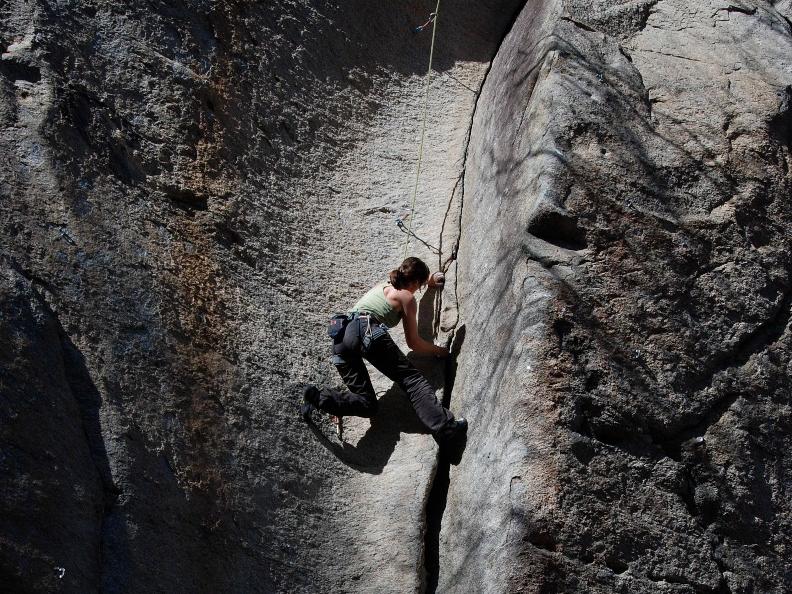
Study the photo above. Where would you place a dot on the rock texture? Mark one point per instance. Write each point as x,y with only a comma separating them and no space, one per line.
53,472
625,287
188,188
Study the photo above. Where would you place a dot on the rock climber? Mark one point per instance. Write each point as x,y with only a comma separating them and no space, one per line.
363,334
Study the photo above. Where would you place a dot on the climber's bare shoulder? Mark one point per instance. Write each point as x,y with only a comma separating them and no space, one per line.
399,299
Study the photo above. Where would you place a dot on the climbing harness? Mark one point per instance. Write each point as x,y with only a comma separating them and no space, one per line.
433,21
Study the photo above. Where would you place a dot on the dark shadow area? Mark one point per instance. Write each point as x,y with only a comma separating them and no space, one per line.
16,69
89,400
435,507
438,495
51,433
386,38
781,125
558,228
187,199
115,555
451,364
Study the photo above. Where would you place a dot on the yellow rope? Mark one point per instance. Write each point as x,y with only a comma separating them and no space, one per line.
423,128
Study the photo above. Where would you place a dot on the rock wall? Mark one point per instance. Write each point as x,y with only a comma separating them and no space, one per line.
188,188
625,289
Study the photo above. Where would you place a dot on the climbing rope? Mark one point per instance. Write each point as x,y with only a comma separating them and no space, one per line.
433,21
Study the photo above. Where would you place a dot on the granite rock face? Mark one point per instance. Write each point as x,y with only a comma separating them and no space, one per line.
188,188
187,191
53,495
625,287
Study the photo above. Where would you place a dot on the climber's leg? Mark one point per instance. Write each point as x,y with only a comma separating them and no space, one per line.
388,358
358,400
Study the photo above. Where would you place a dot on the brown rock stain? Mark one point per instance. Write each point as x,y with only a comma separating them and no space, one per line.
204,315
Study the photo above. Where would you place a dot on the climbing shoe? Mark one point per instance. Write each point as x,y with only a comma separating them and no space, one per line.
452,432
452,440
310,402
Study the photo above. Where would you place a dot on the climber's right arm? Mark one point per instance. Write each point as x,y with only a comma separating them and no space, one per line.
414,341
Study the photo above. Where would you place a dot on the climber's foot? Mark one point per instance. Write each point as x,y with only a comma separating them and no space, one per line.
453,430
310,402
453,440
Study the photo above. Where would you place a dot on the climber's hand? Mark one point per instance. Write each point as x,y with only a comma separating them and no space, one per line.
436,280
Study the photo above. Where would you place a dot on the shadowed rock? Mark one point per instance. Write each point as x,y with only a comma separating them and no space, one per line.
189,189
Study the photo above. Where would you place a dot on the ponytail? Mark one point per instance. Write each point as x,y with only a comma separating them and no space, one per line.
396,278
411,270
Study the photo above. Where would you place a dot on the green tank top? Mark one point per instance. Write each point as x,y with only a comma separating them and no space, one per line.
374,302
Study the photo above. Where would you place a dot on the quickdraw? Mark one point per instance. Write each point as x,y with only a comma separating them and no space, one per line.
419,28
404,229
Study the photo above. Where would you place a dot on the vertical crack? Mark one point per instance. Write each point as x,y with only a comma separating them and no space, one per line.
435,507
438,493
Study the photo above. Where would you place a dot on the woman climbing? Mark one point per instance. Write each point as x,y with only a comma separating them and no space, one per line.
363,334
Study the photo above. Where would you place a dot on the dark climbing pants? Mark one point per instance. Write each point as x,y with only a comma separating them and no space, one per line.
361,401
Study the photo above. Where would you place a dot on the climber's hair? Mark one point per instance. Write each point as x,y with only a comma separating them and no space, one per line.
411,270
